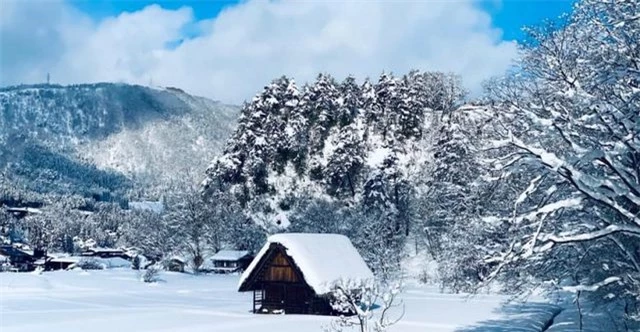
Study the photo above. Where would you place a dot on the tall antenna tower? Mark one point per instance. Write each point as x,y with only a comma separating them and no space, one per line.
48,78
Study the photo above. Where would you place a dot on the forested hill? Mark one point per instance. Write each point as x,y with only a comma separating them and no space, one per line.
98,139
352,142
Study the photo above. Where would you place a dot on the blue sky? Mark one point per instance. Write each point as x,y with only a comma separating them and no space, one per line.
228,50
508,15
512,15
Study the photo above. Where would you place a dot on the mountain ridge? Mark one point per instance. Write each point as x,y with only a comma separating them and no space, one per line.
58,138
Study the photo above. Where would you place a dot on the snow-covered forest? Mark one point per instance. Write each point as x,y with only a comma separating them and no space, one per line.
532,186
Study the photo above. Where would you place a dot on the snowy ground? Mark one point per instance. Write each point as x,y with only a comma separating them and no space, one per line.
115,300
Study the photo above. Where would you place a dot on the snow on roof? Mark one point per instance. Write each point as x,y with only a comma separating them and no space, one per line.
23,209
178,258
105,250
67,259
229,255
16,249
323,259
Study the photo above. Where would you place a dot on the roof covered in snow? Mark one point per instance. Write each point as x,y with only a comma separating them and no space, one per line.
23,209
104,250
66,259
229,255
323,259
178,258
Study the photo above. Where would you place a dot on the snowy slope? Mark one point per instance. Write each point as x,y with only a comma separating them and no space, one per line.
61,132
115,300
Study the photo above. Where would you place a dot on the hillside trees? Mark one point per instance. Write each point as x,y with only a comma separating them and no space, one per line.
325,132
340,145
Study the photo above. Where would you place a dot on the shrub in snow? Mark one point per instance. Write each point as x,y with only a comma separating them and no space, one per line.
358,299
151,274
424,277
90,264
135,262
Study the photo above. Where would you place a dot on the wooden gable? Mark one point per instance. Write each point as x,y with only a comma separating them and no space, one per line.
280,269
274,267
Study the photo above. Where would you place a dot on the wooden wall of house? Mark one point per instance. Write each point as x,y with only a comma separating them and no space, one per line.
280,270
282,287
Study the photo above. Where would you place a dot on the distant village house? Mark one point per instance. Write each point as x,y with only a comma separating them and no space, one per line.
175,264
227,261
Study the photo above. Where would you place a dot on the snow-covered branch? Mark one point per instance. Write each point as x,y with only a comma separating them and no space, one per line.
591,287
600,190
591,236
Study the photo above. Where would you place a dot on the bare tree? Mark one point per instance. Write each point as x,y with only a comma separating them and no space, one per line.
360,299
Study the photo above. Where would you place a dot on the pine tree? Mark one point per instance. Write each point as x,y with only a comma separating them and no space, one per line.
322,102
297,128
350,104
411,107
344,166
385,111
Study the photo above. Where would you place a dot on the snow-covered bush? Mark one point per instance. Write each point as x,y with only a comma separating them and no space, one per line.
136,262
151,274
366,306
90,263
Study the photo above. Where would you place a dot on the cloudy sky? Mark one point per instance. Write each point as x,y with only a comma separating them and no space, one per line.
228,50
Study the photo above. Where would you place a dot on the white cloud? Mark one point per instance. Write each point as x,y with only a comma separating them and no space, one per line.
249,44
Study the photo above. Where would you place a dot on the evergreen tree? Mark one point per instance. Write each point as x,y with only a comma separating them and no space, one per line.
411,106
384,111
350,104
322,109
344,166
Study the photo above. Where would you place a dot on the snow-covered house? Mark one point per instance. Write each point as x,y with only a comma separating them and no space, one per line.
106,253
21,258
175,264
294,273
225,261
61,263
21,212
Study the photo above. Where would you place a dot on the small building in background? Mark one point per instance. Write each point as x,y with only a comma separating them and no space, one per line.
21,212
21,258
227,261
106,253
295,273
61,263
175,264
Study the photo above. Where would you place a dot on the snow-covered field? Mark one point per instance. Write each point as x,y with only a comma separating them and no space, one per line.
116,300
